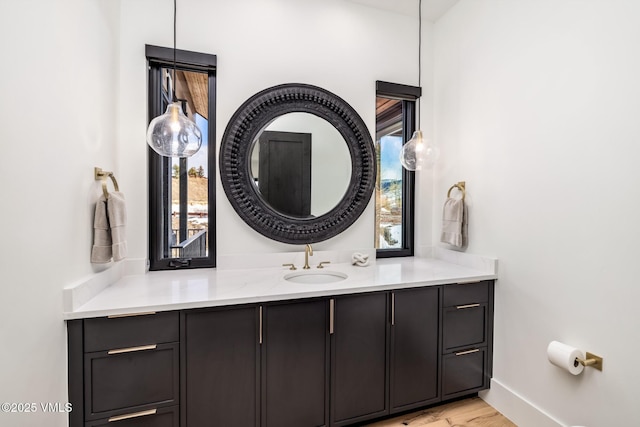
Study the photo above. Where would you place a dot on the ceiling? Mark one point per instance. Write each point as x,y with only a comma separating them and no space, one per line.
431,9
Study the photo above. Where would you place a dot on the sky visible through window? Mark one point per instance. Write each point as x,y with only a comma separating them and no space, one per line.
390,166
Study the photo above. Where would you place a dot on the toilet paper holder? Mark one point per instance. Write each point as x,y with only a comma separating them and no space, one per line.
590,360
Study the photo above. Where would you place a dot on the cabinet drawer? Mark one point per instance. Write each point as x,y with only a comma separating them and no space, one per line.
466,294
464,372
110,333
131,381
160,417
464,326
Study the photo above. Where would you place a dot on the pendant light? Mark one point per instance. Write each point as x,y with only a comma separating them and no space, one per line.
173,134
417,152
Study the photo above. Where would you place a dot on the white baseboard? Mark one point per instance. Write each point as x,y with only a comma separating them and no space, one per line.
515,407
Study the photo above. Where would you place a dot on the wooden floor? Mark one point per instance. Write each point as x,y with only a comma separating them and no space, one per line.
472,412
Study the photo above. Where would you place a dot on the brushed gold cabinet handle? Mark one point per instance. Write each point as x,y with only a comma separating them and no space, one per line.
132,349
260,338
462,353
332,309
133,415
462,307
469,282
116,316
393,308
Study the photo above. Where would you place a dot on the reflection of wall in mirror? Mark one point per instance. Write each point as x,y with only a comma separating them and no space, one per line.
330,159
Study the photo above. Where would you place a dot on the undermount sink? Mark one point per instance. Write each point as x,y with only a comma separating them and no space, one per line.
315,277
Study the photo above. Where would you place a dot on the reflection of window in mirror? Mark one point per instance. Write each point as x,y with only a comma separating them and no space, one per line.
182,191
394,195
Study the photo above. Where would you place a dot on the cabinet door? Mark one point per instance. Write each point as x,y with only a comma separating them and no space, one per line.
414,348
359,358
464,372
104,333
221,368
130,380
465,326
467,338
295,364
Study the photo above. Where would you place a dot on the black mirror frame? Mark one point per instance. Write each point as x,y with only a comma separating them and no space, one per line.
235,155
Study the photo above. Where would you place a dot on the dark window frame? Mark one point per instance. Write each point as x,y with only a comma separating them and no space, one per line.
408,95
158,58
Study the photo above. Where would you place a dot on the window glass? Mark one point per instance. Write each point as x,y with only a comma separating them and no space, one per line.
188,193
389,193
181,206
394,187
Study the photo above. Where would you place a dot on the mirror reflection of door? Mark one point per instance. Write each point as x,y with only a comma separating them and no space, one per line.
284,172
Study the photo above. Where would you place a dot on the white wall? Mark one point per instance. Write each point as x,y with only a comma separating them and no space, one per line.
58,120
74,92
339,45
536,107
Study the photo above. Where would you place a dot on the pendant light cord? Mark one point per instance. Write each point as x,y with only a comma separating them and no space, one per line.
419,56
175,8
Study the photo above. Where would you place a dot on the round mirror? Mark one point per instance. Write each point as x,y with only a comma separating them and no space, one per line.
301,165
297,163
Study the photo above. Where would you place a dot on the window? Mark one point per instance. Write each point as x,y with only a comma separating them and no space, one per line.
182,191
395,123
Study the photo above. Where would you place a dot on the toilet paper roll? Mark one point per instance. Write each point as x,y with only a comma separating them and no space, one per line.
564,356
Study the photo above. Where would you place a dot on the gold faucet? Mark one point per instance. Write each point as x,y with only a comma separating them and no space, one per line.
307,252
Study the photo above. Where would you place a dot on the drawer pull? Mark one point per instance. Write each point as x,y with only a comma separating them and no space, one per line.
462,307
116,316
133,415
462,353
132,349
332,309
470,282
393,309
260,327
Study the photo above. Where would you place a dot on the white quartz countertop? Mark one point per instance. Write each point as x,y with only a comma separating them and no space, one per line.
196,288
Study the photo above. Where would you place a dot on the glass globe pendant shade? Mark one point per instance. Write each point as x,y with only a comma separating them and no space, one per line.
173,134
411,154
418,153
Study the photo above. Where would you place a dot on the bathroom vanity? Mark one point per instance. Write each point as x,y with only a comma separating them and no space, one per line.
249,348
330,345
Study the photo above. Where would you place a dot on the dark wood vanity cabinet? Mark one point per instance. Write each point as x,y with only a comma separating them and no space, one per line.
415,325
257,365
313,362
467,336
125,370
295,364
359,358
220,370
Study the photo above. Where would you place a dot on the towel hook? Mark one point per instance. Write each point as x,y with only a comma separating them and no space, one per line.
460,186
102,175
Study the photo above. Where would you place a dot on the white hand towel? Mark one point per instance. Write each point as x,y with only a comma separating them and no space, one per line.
101,251
465,225
453,218
117,214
